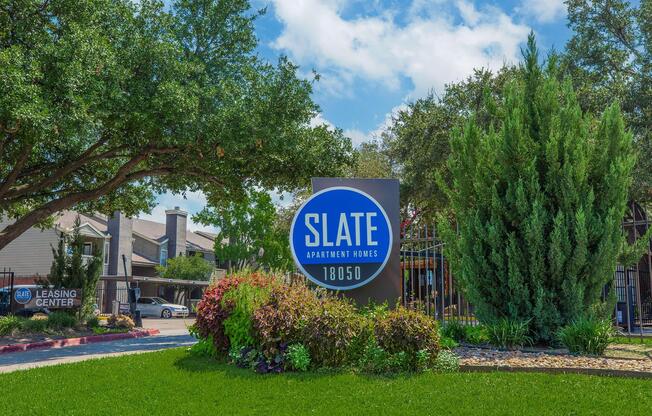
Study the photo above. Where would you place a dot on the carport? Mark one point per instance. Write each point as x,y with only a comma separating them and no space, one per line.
182,292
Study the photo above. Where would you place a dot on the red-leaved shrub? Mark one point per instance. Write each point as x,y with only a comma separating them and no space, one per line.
212,310
281,321
332,332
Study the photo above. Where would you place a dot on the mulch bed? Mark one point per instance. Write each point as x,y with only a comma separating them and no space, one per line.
513,360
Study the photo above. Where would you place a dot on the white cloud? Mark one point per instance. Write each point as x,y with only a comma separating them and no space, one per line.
192,203
357,136
319,120
468,12
544,11
430,49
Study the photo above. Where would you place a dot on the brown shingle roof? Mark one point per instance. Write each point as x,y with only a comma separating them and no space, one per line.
153,230
65,220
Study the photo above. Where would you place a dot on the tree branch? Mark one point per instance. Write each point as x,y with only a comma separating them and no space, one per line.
84,159
123,175
18,167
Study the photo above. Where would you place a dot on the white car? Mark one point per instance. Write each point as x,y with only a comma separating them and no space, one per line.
160,308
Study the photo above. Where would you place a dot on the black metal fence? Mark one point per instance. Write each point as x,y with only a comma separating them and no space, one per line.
107,292
6,290
428,281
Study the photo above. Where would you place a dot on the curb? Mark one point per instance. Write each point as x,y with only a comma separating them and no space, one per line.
466,368
68,342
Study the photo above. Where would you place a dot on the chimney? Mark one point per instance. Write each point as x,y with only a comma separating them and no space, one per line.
175,230
120,228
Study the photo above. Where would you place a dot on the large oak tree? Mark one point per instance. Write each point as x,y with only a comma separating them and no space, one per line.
609,58
103,103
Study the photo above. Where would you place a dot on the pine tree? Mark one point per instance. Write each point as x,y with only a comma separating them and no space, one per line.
538,199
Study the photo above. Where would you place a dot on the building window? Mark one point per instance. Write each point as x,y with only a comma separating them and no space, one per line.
164,256
106,252
88,249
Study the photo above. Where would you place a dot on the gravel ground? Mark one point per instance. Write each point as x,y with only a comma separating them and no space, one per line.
487,357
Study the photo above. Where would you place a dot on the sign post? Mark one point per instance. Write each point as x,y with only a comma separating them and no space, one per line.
345,237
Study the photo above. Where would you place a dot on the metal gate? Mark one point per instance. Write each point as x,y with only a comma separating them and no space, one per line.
428,283
6,290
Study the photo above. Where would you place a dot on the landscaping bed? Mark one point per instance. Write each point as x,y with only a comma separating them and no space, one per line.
486,357
42,331
40,337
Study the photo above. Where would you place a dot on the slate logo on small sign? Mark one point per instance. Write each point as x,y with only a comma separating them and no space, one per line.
341,238
48,298
23,295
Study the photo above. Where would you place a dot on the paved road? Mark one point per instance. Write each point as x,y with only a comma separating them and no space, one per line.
174,334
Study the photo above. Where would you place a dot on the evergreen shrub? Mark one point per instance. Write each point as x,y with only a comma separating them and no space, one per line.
331,332
538,190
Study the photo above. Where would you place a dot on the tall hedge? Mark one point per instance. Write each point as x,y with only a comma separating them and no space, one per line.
538,199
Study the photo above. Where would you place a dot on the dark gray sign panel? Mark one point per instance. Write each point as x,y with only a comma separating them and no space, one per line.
357,225
48,298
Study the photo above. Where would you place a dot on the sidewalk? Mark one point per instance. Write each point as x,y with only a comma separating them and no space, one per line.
173,334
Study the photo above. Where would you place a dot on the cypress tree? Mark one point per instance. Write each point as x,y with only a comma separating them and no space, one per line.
70,270
538,198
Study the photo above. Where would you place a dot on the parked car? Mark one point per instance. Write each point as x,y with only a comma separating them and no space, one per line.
160,307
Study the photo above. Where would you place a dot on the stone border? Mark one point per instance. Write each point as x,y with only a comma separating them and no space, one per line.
467,368
554,352
68,342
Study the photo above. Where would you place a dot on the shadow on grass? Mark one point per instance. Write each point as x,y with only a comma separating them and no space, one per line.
203,364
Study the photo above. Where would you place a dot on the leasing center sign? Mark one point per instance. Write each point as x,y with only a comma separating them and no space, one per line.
341,238
48,298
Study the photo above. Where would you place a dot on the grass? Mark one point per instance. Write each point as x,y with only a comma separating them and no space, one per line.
101,330
177,383
634,339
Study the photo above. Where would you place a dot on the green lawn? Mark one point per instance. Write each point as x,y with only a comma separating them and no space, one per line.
174,383
634,339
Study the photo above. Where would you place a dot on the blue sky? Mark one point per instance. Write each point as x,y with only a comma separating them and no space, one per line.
374,56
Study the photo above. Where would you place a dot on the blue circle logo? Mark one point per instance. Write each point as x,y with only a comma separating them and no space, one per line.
23,295
341,238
